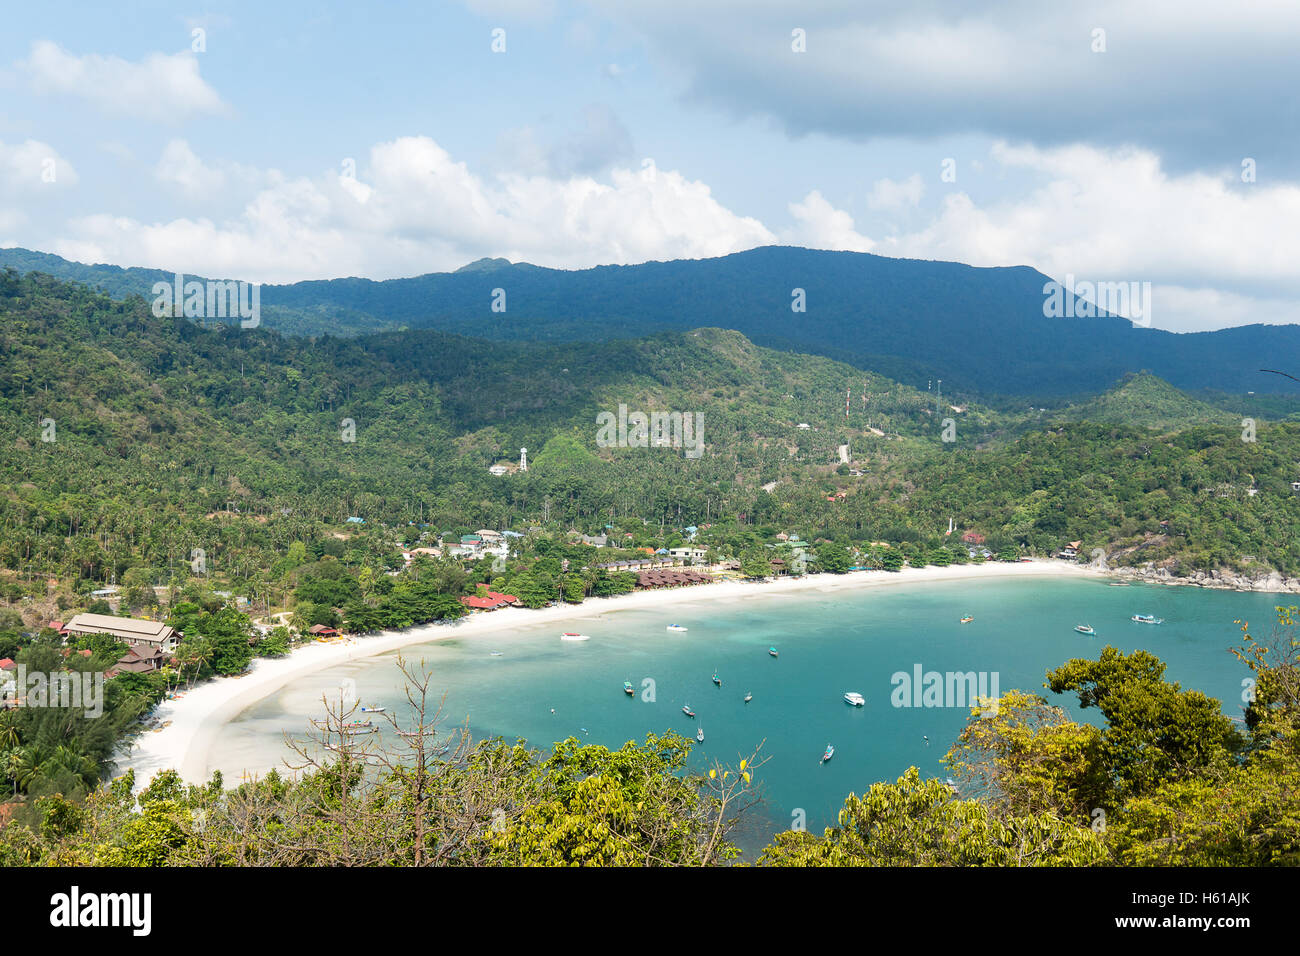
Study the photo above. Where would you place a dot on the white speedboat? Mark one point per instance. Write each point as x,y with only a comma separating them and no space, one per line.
1147,619
854,698
571,636
676,628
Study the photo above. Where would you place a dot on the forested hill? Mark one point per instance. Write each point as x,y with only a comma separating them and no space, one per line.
979,329
129,440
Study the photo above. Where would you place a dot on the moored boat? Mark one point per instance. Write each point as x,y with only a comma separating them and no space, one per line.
628,689
748,697
1084,629
828,754
373,710
573,636
699,735
1147,619
771,652
854,698
967,619
686,709
716,679
677,628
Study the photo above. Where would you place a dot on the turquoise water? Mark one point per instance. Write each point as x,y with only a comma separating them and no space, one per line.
828,642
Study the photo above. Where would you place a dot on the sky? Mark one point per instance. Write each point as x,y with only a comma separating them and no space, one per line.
1102,142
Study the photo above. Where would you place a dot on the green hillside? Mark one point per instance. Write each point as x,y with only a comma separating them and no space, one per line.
1143,400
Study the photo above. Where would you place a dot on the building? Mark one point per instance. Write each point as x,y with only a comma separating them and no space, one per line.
322,630
140,659
498,470
130,630
489,602
688,555
973,537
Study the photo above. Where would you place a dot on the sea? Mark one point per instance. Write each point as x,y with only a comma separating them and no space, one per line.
527,683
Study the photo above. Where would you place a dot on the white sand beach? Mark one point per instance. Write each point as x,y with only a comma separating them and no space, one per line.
198,717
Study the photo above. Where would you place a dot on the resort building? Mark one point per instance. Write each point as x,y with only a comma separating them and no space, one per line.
129,630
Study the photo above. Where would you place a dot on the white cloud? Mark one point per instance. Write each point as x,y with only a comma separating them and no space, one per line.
819,225
164,87
889,195
412,209
32,166
180,167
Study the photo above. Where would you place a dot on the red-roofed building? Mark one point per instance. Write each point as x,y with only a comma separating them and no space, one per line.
973,537
57,626
322,630
489,602
7,664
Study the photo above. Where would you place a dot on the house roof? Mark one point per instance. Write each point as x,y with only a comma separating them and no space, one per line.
127,627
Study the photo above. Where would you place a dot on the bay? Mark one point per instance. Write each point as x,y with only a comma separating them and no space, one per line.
828,643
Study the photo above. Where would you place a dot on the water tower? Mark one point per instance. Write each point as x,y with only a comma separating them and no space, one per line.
523,459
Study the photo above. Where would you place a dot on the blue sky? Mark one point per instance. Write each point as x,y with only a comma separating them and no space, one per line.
1101,142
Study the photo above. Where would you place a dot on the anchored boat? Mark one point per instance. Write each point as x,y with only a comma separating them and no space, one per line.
628,688
572,636
687,711
716,679
1148,619
854,698
748,697
967,619
677,628
699,735
771,652
830,752
1084,629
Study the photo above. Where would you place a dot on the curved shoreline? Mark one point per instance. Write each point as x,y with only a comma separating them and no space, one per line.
198,717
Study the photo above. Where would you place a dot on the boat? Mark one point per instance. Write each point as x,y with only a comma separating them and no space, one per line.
1119,584
687,711
1148,619
771,652
699,735
716,679
357,725
373,710
628,689
1084,629
748,697
571,636
854,698
830,752
495,654
677,628
951,784
967,619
